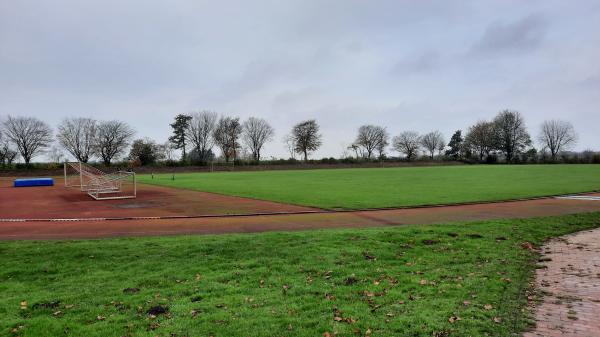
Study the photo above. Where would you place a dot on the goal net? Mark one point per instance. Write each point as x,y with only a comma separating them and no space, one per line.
98,184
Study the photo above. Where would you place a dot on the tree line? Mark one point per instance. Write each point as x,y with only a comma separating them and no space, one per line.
197,134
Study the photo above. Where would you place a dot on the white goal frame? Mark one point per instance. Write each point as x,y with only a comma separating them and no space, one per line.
100,185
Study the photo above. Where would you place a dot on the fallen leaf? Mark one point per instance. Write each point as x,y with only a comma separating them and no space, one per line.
497,319
488,307
527,245
100,317
368,256
23,305
453,319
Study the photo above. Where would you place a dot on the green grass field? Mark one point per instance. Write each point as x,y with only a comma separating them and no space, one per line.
402,281
392,187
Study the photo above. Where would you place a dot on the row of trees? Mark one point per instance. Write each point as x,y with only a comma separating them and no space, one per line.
506,134
83,138
205,129
197,133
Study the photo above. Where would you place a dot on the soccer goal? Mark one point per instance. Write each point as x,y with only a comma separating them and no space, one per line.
98,184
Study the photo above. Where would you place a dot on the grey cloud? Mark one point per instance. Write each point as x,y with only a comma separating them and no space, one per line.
517,36
403,64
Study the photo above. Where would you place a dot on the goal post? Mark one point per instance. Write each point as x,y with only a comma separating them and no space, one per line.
118,185
73,176
98,184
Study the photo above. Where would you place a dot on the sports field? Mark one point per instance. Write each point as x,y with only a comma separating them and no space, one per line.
440,280
392,187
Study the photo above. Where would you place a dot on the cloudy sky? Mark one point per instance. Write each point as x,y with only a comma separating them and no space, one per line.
418,65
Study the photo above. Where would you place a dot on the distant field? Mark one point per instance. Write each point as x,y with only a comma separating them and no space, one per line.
394,281
392,187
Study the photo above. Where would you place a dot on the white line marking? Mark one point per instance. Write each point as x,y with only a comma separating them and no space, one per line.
580,197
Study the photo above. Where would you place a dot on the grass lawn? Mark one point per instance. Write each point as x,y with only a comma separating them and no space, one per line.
392,187
437,280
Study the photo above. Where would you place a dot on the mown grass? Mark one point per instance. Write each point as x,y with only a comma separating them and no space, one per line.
392,281
392,187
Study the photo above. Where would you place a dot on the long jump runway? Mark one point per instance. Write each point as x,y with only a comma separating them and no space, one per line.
60,213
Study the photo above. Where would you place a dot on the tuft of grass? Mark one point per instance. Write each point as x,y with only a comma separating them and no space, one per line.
438,280
392,187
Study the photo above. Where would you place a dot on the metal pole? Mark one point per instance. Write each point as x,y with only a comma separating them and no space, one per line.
65,170
80,177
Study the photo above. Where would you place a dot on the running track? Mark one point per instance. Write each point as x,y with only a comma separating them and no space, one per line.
45,230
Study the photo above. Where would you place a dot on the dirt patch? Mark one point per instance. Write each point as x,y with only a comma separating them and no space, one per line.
153,201
158,310
138,205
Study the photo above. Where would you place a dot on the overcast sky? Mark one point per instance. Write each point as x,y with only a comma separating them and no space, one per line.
418,65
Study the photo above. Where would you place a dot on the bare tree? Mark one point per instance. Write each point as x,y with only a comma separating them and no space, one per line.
433,141
557,136
290,145
30,136
511,133
306,137
355,148
255,133
200,132
76,135
384,141
7,154
112,139
371,138
481,138
226,136
408,143
167,150
56,155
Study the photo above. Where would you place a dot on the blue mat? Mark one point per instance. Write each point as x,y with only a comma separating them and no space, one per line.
34,182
